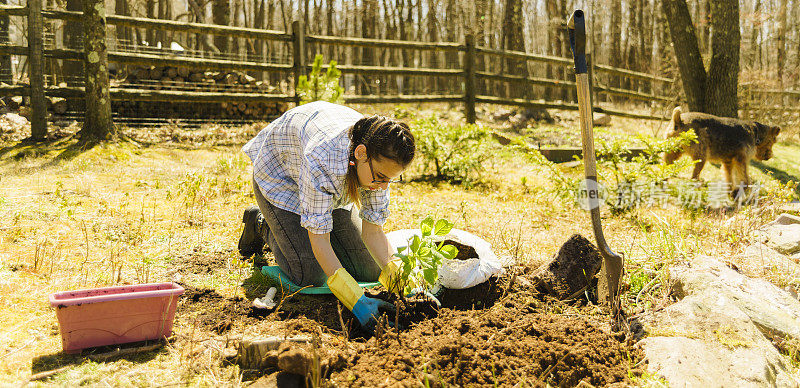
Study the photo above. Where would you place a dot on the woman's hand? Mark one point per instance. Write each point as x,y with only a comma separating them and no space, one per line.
367,310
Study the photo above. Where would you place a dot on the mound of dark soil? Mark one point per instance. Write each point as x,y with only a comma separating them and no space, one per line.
504,345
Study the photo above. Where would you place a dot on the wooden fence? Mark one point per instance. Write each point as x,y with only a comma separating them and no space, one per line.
467,76
776,107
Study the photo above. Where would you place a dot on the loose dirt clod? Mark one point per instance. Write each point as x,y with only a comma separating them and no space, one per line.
577,263
296,360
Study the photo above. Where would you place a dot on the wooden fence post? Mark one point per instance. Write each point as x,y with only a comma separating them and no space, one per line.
6,72
36,70
97,124
469,79
298,54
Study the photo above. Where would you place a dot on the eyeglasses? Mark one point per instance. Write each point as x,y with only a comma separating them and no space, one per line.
381,181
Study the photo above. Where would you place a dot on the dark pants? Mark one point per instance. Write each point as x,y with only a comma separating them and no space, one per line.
292,248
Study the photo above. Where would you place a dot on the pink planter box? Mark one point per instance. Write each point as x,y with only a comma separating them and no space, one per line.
115,315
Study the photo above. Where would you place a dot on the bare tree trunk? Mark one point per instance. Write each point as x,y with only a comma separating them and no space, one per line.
513,39
73,39
329,27
6,71
123,33
780,40
403,35
433,36
755,47
97,124
235,42
164,12
369,15
451,57
150,13
615,39
480,40
687,52
703,24
221,11
723,71
714,92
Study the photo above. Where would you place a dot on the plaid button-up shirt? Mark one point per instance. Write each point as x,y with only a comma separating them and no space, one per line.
300,163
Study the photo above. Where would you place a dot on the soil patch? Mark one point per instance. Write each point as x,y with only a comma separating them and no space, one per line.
479,297
215,312
502,346
464,251
200,263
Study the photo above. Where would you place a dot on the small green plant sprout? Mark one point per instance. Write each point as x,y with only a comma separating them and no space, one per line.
319,86
424,254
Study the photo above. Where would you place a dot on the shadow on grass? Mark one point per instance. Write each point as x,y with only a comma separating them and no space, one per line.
778,174
99,354
53,151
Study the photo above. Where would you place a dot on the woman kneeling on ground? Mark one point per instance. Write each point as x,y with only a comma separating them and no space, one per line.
310,166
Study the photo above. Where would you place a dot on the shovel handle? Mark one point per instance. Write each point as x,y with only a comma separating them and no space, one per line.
612,262
577,40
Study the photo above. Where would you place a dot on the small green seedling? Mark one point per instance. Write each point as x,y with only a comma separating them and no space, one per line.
424,254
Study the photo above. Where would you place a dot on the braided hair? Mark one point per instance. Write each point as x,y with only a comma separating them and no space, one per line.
384,138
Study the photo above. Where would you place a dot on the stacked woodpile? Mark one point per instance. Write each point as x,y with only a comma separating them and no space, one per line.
189,81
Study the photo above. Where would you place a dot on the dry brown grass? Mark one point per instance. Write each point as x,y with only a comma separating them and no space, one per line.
124,213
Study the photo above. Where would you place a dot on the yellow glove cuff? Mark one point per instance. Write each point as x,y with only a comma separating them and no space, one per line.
345,288
390,276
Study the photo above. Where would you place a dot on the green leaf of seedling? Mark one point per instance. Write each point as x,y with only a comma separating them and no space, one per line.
415,243
449,251
442,227
424,251
407,267
437,257
400,250
426,226
430,275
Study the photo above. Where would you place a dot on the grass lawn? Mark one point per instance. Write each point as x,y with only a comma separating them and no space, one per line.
129,213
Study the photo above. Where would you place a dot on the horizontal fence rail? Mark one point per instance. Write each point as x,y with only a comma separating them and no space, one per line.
465,74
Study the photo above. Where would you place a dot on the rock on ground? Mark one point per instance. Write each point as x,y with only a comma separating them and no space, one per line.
760,259
774,310
721,332
783,234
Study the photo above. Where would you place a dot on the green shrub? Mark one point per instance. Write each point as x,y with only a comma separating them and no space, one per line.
451,153
320,86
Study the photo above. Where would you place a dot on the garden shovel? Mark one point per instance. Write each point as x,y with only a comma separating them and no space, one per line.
611,272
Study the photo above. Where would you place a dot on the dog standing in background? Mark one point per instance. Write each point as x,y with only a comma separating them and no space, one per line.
731,142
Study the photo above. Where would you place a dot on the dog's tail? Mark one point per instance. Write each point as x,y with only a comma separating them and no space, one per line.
676,116
674,126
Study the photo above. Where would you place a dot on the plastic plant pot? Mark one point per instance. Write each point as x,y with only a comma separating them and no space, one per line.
115,315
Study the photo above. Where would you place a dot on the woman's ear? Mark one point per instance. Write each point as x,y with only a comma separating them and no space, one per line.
360,153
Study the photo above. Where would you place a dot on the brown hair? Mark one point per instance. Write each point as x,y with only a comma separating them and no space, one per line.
384,138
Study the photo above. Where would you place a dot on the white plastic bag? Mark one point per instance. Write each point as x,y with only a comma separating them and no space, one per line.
458,274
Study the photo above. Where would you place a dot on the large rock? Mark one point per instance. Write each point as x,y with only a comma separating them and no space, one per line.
720,333
760,259
773,310
783,234
689,362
